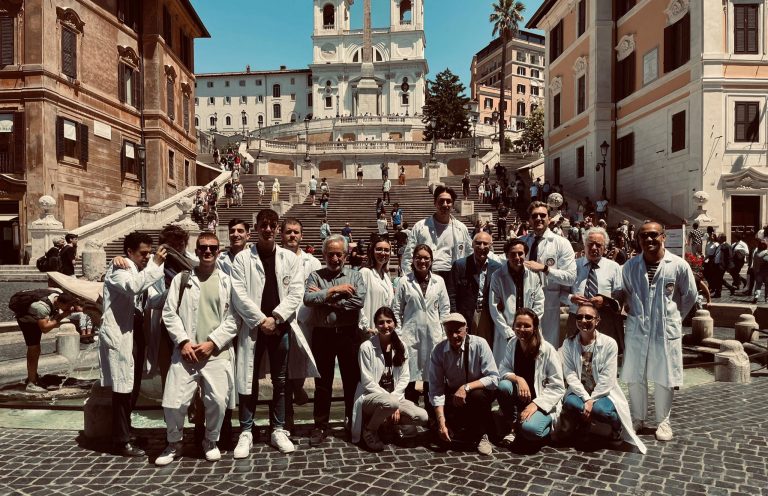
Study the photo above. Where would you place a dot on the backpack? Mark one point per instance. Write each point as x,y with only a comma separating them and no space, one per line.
21,301
48,264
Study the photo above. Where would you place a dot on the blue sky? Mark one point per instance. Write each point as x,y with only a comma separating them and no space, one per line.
267,34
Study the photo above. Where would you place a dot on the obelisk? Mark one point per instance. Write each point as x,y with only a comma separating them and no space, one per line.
367,88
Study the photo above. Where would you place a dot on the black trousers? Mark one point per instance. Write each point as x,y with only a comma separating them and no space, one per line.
328,344
412,395
124,403
474,417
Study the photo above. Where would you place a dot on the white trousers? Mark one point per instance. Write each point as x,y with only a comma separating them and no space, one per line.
380,406
216,379
638,401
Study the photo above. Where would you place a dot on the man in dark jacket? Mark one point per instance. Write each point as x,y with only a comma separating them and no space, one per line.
468,285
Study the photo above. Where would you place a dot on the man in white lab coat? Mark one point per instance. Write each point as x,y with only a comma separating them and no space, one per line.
200,324
121,343
660,290
551,256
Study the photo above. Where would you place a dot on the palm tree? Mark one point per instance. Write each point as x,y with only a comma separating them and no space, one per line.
505,18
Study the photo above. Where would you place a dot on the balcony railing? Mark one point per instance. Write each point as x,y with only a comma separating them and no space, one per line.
364,147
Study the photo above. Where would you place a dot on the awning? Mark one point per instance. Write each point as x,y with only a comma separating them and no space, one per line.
8,217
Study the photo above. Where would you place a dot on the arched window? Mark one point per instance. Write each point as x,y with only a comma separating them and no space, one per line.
228,120
261,120
406,12
275,91
197,121
329,16
521,108
293,117
212,121
276,113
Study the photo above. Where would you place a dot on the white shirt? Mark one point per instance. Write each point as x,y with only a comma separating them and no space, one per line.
387,185
601,205
382,223
609,282
313,184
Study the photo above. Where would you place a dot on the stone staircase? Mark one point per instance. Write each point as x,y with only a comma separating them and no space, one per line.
21,273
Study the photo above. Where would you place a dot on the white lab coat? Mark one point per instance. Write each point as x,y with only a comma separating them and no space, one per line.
547,378
420,320
604,367
122,288
182,326
654,328
304,313
371,360
424,232
379,293
556,253
502,303
247,286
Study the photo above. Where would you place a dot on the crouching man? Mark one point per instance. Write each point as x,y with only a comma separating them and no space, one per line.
201,326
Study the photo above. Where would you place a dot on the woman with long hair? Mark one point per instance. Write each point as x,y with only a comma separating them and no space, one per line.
379,289
421,303
531,380
383,378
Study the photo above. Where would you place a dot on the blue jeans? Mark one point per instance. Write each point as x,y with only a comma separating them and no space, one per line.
277,346
537,426
603,410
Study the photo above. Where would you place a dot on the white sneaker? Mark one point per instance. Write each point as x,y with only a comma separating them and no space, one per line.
484,447
664,431
212,453
280,441
34,388
169,453
244,443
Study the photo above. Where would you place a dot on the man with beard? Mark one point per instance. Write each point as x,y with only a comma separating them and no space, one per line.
239,231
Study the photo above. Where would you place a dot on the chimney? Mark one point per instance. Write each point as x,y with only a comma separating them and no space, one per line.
282,67
248,68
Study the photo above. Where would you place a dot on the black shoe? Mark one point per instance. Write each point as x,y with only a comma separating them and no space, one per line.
128,450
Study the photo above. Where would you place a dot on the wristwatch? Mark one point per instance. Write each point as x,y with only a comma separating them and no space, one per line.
546,269
466,388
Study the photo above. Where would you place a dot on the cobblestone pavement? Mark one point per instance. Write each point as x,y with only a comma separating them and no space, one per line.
720,448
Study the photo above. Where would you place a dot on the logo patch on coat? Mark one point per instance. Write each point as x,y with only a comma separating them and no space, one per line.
286,280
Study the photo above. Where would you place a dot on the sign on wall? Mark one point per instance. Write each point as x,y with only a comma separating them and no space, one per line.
102,130
6,123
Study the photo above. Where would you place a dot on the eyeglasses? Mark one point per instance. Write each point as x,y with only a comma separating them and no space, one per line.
539,216
271,225
205,248
650,235
588,318
381,250
423,259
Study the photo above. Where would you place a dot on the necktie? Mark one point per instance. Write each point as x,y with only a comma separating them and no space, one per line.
535,249
590,289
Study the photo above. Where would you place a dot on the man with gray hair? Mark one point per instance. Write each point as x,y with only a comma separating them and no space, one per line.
598,281
335,294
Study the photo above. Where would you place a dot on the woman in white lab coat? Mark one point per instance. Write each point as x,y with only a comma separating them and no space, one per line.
421,303
596,398
380,395
379,289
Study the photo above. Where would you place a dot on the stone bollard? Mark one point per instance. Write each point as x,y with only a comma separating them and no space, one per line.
97,412
68,341
746,328
732,363
702,326
94,261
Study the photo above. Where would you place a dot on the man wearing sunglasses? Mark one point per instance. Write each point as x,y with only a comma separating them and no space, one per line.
552,257
200,323
268,286
660,290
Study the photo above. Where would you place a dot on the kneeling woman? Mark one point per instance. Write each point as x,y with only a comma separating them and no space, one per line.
383,379
590,360
531,385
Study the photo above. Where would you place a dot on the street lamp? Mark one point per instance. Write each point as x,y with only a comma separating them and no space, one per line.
433,128
243,116
258,154
141,153
306,139
495,117
474,135
602,165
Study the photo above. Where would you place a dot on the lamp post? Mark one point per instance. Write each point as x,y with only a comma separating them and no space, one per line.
495,117
602,165
141,153
306,140
474,135
243,116
433,128
258,154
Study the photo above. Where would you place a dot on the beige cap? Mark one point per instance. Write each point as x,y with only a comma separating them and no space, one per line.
455,317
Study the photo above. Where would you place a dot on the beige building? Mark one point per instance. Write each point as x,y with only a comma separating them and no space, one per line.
524,85
83,83
676,88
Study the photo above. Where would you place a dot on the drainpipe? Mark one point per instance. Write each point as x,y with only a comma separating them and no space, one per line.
614,129
143,172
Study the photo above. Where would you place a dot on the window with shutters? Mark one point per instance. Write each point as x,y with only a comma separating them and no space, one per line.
747,122
625,77
128,87
521,89
241,82
243,100
677,44
556,111
170,99
71,141
128,13
581,23
185,111
521,71
209,84
535,73
167,27
7,38
521,109
534,90
69,52
130,162
12,143
621,7
228,121
276,113
556,42
275,91
625,151
171,165
678,131
745,29
581,94
580,161
309,99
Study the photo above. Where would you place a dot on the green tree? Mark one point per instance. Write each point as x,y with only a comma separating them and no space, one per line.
505,17
533,134
446,103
